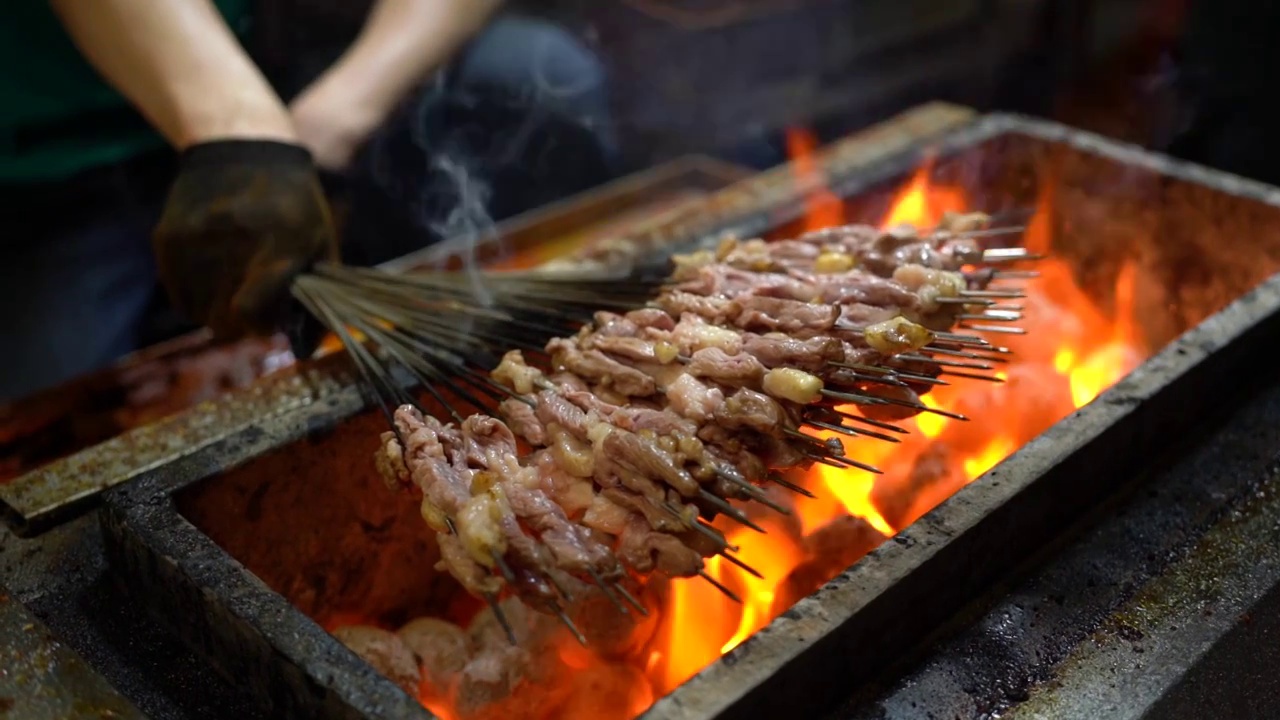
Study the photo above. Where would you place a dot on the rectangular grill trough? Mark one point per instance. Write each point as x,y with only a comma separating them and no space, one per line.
251,545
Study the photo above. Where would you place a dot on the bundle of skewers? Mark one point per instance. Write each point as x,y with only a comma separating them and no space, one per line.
593,426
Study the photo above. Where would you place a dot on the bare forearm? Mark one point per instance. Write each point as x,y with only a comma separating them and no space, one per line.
180,65
402,42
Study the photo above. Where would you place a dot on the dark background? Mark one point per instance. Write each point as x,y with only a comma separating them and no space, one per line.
726,77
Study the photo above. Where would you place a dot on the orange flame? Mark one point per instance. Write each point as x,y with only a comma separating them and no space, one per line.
823,208
922,205
1072,353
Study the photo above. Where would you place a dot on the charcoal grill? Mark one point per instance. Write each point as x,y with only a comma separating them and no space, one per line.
209,575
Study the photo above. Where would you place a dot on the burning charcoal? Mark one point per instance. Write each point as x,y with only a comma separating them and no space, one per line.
789,524
385,651
490,678
605,690
899,501
163,387
610,633
831,551
146,384
842,542
533,630
511,682
441,647
909,407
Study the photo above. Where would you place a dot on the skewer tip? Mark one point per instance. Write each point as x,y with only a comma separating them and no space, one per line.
604,588
719,586
501,617
750,570
631,600
567,622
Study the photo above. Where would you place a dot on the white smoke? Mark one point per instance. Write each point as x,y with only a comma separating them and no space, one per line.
468,222
458,159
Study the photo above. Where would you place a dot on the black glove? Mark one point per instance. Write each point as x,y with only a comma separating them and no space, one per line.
243,218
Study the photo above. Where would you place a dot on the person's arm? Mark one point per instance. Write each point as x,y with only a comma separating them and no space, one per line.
402,43
180,65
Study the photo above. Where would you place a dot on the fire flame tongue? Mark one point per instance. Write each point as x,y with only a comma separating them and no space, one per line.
1073,352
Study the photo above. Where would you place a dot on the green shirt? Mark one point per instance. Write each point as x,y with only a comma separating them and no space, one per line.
57,116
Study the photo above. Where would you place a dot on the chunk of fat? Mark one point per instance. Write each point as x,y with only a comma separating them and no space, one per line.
791,384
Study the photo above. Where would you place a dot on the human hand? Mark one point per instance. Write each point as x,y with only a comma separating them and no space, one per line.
243,218
332,126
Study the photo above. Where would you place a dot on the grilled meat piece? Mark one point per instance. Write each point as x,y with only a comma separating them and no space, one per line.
693,399
781,350
646,550
596,367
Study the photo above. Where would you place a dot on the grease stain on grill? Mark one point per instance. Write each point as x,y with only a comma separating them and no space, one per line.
1128,632
252,435
319,427
1118,400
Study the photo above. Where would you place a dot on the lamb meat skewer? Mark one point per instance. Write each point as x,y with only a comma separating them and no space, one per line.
649,422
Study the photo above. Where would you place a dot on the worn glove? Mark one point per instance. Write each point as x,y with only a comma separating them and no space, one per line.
243,218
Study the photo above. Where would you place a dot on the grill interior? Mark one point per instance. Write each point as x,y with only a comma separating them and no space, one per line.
312,520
